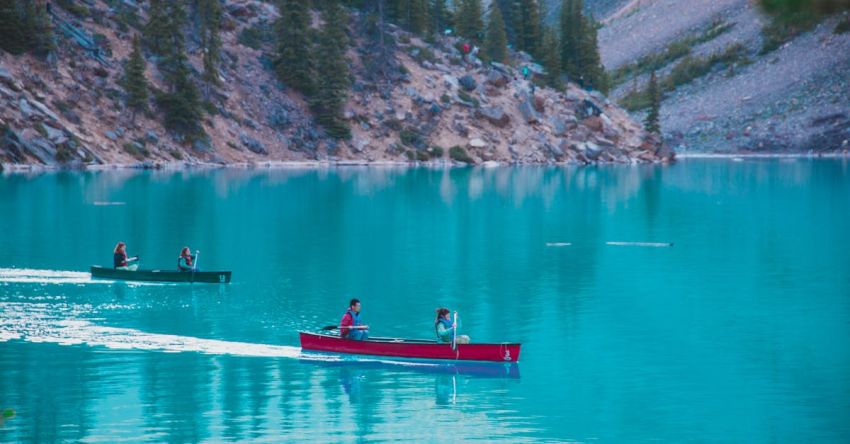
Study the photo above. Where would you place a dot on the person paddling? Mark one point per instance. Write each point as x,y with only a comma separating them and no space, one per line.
186,262
351,327
120,261
445,328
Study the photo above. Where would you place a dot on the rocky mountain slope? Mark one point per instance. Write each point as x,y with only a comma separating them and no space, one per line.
440,107
794,98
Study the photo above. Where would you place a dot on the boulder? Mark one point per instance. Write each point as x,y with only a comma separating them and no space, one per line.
588,109
56,136
526,108
151,136
468,83
27,110
496,79
594,123
202,145
561,126
495,115
477,143
539,104
253,145
111,135
451,82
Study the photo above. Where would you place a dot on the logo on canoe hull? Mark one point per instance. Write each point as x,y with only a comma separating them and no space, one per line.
221,278
507,355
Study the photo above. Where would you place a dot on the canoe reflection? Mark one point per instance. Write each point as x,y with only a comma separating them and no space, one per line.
473,369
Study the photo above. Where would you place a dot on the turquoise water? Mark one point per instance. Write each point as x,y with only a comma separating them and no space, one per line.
740,332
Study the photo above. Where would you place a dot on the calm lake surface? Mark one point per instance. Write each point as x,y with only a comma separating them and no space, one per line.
740,332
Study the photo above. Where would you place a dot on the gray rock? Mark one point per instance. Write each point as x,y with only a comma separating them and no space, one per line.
56,136
120,131
468,83
44,110
477,143
526,108
359,145
495,115
5,75
496,79
253,145
26,109
151,136
111,135
202,145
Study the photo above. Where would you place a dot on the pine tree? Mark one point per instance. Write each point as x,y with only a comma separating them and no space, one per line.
134,82
181,103
439,16
571,30
495,45
531,35
652,123
551,57
36,25
332,90
418,22
294,62
158,31
593,73
13,37
210,11
517,24
468,21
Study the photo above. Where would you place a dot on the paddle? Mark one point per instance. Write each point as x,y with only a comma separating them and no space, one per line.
454,334
334,327
195,263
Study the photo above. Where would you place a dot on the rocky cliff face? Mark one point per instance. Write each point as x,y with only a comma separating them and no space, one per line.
795,98
437,107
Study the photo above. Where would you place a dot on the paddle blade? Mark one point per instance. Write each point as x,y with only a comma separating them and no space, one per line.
329,328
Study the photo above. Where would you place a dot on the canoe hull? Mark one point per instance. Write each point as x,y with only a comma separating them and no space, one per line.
210,277
411,349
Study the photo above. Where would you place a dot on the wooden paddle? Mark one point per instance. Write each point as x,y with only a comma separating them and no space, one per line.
334,327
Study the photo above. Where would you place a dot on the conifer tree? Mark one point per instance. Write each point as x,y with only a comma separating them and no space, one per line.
158,31
294,60
134,82
440,16
468,21
531,36
13,36
181,103
592,73
652,123
210,11
571,29
495,45
418,22
332,89
551,57
37,29
518,24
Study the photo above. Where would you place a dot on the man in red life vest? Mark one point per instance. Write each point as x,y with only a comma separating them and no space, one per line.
350,326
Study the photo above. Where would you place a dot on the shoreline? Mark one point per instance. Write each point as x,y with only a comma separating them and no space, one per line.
6,168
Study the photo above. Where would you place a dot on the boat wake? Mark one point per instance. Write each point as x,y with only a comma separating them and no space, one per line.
63,324
34,276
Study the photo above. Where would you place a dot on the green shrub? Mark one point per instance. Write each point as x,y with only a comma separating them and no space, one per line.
436,152
459,154
404,39
673,52
410,137
139,152
256,36
410,155
74,8
445,98
783,28
423,55
468,99
422,155
686,71
176,154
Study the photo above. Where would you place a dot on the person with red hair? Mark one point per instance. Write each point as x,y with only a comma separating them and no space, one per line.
186,262
120,261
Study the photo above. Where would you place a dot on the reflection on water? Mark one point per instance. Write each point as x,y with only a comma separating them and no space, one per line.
737,333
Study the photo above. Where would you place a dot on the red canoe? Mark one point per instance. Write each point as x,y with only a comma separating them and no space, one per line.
410,348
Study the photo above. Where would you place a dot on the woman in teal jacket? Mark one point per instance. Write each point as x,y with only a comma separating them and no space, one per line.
445,328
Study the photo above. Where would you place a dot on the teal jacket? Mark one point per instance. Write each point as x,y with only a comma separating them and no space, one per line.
445,331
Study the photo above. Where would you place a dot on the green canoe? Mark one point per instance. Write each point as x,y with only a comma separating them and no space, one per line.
211,277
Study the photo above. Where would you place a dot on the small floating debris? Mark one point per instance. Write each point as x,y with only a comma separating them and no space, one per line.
737,159
558,244
108,204
640,244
